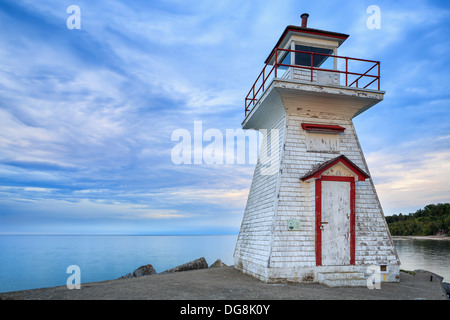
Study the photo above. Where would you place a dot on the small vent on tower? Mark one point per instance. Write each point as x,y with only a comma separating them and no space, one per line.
304,20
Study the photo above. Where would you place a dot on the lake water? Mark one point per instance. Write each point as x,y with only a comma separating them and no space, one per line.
431,255
36,261
31,261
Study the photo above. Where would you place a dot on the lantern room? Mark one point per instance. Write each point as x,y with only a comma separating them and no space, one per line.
311,55
302,46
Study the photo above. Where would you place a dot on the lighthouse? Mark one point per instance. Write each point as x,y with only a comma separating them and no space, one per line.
312,213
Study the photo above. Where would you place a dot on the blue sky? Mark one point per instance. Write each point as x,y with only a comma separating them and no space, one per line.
86,116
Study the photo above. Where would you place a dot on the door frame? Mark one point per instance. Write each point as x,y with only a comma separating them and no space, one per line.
318,215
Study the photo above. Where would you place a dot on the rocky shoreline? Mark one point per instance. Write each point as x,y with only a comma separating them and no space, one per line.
227,283
200,263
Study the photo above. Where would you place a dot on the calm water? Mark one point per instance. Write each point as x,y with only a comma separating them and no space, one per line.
431,255
32,261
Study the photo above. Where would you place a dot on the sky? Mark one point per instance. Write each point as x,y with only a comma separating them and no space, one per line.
88,112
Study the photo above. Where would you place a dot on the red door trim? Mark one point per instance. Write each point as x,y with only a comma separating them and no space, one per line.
318,215
352,223
337,178
318,222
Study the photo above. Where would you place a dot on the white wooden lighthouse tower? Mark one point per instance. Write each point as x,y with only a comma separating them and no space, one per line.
312,213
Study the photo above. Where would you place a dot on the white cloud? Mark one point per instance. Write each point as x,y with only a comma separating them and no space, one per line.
229,197
81,209
102,102
397,21
411,177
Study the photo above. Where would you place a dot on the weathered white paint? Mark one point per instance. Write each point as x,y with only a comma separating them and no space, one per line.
322,142
265,247
339,170
319,77
314,42
314,101
335,223
253,246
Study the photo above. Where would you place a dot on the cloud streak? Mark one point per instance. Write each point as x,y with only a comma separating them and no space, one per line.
86,116
410,176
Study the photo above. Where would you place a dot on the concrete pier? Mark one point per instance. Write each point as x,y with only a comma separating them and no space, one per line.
227,283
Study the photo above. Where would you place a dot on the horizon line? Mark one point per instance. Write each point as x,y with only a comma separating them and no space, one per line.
109,234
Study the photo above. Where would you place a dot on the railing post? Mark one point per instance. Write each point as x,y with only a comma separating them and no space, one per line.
264,77
346,71
276,61
253,100
379,76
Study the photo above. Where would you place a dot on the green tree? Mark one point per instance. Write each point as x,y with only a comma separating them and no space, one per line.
426,221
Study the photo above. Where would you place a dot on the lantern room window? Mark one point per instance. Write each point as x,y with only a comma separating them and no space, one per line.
304,59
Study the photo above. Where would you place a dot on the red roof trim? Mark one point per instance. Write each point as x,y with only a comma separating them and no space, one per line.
317,173
341,36
322,127
318,32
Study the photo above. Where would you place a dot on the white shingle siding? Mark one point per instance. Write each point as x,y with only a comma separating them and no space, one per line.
265,247
254,242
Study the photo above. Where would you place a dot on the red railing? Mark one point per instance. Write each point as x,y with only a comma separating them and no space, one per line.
264,77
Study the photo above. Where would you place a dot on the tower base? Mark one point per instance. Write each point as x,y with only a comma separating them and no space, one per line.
312,213
332,276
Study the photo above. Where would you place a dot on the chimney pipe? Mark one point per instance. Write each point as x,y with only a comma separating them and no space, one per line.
304,20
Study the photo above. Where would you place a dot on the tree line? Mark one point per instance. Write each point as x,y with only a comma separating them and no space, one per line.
432,219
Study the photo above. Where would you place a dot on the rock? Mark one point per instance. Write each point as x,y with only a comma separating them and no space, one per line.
446,287
217,264
144,271
149,270
192,265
